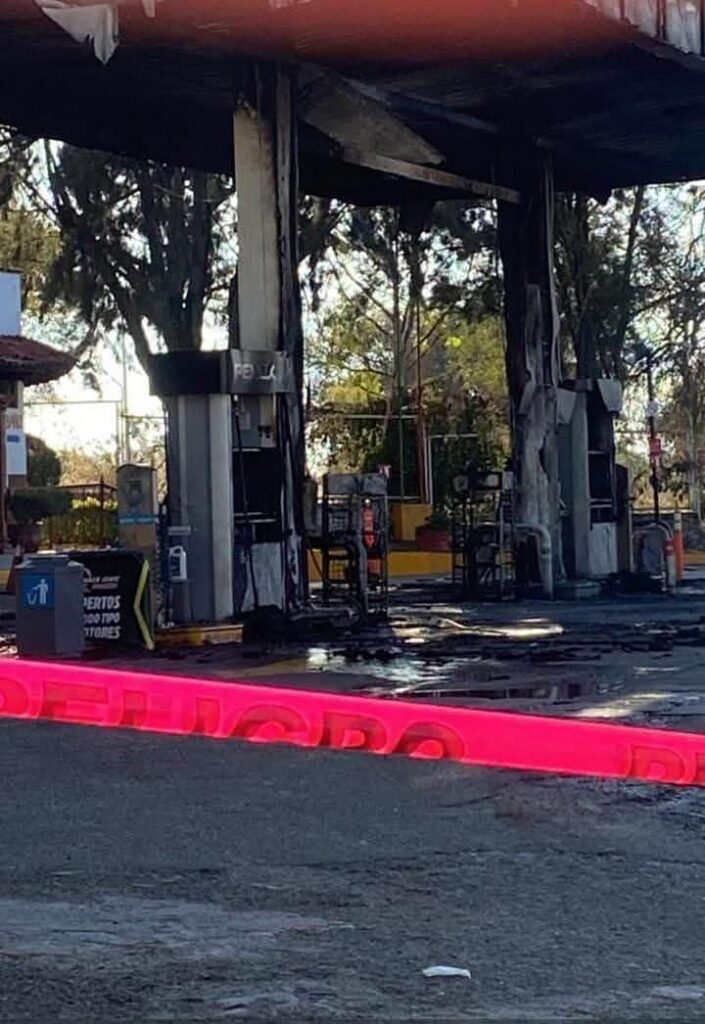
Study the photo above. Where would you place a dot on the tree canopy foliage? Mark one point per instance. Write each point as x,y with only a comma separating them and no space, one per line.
392,297
142,245
43,464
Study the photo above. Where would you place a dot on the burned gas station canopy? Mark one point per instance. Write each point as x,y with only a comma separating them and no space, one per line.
32,362
397,100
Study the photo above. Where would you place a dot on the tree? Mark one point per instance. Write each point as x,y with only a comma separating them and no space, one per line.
145,248
15,159
384,292
43,464
679,348
30,245
464,401
81,466
610,262
28,242
142,245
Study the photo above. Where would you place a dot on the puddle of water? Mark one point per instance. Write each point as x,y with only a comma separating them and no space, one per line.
400,676
524,629
398,669
622,706
401,670
489,691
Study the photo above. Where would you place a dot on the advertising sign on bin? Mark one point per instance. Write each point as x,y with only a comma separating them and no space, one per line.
117,598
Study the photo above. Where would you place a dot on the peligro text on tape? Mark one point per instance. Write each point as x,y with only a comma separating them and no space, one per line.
264,714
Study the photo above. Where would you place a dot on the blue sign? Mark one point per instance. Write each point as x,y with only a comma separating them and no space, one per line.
37,591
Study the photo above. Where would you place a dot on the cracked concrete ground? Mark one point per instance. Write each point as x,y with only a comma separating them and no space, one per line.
152,879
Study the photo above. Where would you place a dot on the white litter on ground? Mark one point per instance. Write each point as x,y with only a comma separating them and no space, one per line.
447,972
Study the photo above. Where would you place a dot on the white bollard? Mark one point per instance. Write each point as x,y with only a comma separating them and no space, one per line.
669,554
678,545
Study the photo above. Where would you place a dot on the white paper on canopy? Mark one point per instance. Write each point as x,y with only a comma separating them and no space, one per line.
96,23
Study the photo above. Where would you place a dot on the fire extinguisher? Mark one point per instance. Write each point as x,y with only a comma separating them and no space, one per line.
369,539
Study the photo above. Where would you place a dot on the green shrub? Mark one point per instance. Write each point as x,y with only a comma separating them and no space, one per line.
35,504
438,520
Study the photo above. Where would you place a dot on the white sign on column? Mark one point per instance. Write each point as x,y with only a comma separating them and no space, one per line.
16,444
16,439
10,303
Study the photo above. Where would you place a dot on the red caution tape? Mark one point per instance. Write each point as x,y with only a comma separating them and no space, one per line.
263,714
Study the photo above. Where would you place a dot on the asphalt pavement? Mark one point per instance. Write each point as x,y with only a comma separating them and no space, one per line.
148,878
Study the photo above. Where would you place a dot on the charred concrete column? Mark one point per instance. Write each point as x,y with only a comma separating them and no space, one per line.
533,368
236,439
270,569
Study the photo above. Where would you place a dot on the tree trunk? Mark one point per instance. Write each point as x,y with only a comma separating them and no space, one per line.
399,367
693,476
586,343
626,300
526,245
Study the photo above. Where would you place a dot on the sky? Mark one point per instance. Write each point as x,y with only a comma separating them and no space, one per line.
89,427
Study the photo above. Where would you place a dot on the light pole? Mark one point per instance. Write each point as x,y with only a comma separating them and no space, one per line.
125,402
643,351
653,441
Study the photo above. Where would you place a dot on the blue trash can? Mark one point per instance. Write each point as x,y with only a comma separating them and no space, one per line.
49,597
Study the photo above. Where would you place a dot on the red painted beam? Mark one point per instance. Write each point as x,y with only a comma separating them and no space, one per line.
387,31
